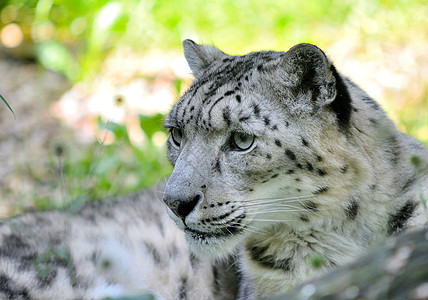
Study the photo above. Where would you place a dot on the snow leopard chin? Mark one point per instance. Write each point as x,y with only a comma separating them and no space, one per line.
214,247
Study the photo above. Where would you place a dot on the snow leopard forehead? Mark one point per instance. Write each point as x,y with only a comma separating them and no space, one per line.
227,93
233,90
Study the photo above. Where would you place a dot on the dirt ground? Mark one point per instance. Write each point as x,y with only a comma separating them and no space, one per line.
26,142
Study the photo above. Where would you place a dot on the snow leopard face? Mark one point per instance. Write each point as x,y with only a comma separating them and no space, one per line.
257,140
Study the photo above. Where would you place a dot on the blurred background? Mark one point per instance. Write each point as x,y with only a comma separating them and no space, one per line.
90,81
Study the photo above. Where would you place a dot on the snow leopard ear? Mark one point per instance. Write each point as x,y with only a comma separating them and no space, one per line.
309,70
199,57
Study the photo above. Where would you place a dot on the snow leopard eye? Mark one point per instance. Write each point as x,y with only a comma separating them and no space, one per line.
177,136
242,141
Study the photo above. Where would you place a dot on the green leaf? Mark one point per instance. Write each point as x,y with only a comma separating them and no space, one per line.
8,106
317,261
55,56
151,124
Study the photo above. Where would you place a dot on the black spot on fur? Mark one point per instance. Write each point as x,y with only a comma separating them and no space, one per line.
238,98
278,143
194,261
304,218
274,175
228,93
290,154
299,166
256,110
290,171
154,253
203,186
182,289
397,221
352,210
393,150
321,172
408,184
266,120
243,119
309,167
268,261
319,158
10,290
216,282
14,241
217,167
45,280
321,190
309,205
226,115
305,143
274,127
268,156
373,104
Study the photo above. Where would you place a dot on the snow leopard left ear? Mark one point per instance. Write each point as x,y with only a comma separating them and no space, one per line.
199,57
308,70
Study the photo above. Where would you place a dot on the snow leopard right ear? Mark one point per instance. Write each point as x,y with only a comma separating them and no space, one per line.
199,57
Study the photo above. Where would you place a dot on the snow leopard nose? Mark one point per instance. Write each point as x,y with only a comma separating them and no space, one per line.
183,207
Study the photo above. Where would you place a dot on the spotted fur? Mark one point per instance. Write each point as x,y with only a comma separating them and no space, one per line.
327,175
119,248
278,159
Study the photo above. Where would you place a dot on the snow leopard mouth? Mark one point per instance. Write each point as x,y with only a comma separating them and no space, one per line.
222,233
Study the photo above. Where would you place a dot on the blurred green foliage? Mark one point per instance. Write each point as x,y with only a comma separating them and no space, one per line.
104,170
74,37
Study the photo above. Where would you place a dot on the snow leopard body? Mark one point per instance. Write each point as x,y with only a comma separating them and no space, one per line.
279,161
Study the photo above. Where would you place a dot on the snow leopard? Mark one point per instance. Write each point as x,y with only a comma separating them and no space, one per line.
279,161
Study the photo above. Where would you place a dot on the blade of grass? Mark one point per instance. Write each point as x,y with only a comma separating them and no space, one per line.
8,106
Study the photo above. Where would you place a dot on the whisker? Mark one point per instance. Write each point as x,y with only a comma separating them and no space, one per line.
273,220
281,199
281,210
274,211
246,226
252,230
255,205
